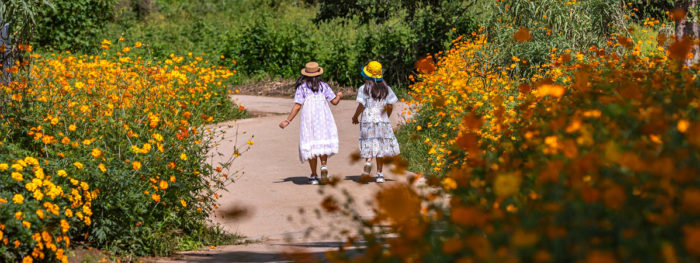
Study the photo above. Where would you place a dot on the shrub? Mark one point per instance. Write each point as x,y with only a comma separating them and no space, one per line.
397,33
73,24
137,132
598,162
41,206
574,25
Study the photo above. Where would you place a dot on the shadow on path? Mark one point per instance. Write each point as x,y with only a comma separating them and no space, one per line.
294,252
358,179
298,180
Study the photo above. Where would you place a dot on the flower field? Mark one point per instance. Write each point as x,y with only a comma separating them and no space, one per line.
595,158
108,150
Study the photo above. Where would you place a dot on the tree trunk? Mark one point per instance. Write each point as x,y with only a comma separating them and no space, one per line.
688,27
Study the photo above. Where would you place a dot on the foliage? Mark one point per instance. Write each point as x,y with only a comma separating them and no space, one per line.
131,134
400,32
551,24
72,24
263,39
597,162
21,16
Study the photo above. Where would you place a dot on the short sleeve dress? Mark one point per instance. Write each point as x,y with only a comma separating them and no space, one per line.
377,138
318,134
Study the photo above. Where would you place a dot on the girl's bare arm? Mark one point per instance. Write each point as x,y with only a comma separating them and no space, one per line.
337,98
295,111
358,111
389,108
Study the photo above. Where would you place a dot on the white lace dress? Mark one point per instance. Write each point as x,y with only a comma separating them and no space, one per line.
318,134
377,138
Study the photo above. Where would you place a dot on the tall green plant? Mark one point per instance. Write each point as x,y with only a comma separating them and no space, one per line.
551,25
73,24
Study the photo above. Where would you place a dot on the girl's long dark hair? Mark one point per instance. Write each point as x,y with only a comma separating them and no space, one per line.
378,90
314,83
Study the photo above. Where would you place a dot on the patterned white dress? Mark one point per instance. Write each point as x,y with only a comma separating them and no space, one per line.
377,138
318,134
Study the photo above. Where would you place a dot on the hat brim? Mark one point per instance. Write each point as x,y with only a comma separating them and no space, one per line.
369,76
312,74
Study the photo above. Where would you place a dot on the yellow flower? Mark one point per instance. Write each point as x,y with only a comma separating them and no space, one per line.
18,215
550,89
449,183
78,165
682,125
64,226
40,213
158,137
137,44
155,197
39,173
18,199
27,259
62,173
418,128
84,185
68,212
102,167
506,184
38,195
183,156
250,142
17,167
72,127
172,178
136,165
163,185
31,160
17,176
96,153
30,187
87,142
4,166
182,201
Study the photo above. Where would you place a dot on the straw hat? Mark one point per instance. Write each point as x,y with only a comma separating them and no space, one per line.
373,71
312,70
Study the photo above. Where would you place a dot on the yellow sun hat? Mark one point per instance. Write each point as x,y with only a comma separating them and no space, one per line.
373,71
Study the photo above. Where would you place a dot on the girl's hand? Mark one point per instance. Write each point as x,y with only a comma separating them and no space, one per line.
339,95
355,120
284,124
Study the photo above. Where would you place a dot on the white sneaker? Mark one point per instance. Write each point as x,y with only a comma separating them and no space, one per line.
380,178
324,172
313,179
367,169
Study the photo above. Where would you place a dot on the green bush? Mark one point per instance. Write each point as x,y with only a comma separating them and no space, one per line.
552,26
73,24
129,150
276,38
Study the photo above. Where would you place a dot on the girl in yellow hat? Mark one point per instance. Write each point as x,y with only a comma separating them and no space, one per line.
375,103
318,134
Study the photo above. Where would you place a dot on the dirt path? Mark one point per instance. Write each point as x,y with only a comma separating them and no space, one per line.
274,187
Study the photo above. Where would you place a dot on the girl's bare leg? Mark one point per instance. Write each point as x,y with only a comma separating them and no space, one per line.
380,164
324,159
312,163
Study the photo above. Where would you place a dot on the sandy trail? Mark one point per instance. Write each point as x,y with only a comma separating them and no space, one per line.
273,186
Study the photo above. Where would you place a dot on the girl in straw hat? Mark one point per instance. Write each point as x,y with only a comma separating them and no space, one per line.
318,136
377,138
